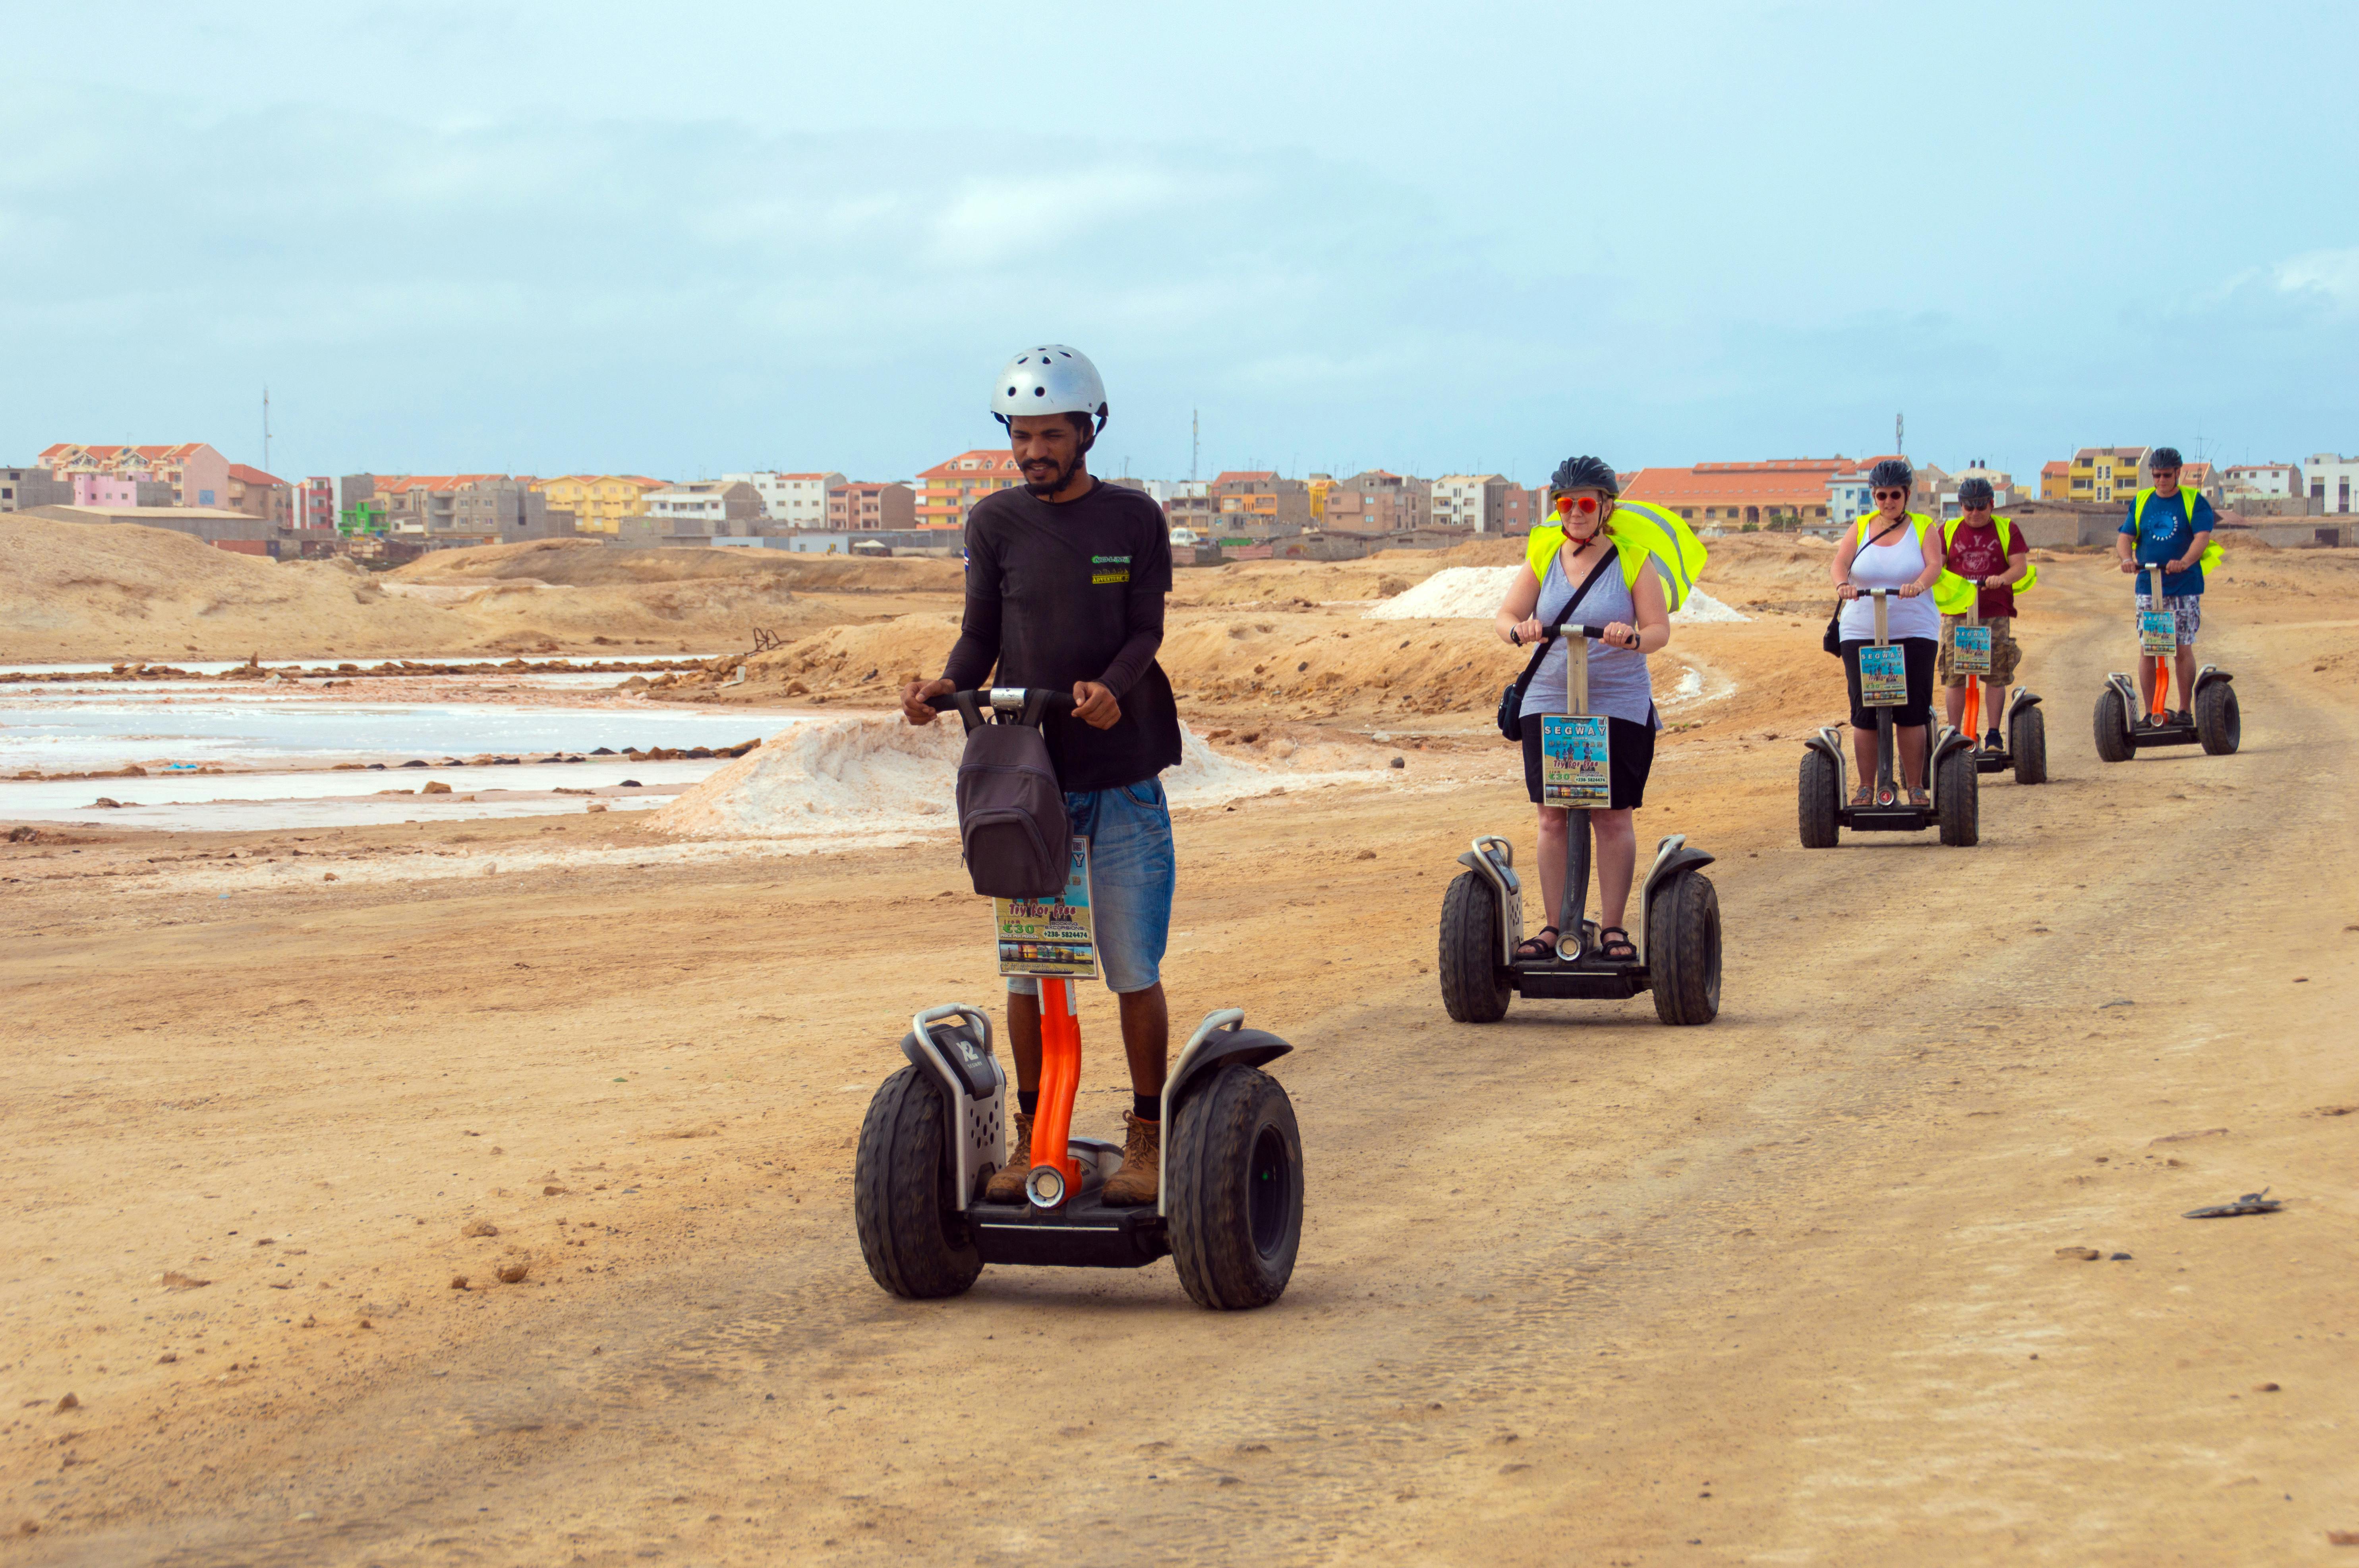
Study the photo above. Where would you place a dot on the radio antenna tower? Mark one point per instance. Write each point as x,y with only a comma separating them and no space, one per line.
1195,443
266,429
1900,433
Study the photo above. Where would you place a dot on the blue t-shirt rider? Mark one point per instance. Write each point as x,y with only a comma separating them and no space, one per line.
2165,529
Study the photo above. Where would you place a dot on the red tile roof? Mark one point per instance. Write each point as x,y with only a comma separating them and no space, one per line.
986,459
246,475
2055,469
1792,482
1245,476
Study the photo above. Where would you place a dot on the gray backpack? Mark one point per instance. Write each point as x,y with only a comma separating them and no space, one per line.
1012,824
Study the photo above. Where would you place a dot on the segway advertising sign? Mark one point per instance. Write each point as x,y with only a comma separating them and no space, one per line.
1051,938
1573,756
1882,676
1969,650
2157,633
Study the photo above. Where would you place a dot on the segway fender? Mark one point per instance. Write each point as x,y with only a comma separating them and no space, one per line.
953,1043
1220,1039
1494,858
2204,678
1829,740
1672,857
2016,701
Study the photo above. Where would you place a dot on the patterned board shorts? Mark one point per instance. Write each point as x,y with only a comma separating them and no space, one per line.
2187,607
2005,652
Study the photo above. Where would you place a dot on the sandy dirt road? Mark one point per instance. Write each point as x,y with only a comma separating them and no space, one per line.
1575,1288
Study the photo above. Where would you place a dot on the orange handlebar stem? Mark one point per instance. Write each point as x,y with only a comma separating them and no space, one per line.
1061,1076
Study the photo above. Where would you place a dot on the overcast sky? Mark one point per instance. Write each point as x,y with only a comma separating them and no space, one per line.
687,239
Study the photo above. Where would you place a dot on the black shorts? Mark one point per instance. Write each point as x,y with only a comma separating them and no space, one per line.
1918,654
1630,757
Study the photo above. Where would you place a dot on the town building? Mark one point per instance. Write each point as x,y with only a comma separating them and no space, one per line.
2056,482
315,503
794,500
871,506
1797,493
1197,513
2267,482
1257,504
707,507
445,511
1521,510
1471,500
258,494
599,502
946,492
106,490
2332,479
23,489
1378,502
2106,473
194,474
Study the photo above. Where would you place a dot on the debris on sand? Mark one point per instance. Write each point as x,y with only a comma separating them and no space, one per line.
175,1280
458,1281
2078,1254
480,1227
513,1271
65,1404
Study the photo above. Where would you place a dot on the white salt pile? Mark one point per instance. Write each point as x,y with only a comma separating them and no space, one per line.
1465,593
876,780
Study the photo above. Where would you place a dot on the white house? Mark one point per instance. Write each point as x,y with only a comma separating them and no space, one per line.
2266,480
796,500
1476,500
2332,479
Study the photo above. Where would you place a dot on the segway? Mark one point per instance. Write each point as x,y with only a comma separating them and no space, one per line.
1229,1209
1482,912
1951,778
2022,728
2213,720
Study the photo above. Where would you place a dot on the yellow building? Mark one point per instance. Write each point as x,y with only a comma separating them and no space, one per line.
599,502
2105,473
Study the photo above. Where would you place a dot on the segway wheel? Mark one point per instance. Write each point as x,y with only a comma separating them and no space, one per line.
1818,796
2218,725
1961,800
2028,738
915,1240
2113,728
1683,950
1235,1196
1474,989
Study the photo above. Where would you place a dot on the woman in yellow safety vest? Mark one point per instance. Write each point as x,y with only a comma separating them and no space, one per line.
1622,566
1888,549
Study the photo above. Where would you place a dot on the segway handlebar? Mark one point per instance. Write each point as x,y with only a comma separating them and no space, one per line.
1563,627
1013,704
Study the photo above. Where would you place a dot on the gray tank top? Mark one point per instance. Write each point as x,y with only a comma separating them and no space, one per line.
1619,686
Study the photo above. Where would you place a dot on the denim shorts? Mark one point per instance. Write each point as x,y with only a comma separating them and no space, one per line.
1132,869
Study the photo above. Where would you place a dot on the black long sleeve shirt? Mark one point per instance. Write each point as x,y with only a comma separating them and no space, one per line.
1062,592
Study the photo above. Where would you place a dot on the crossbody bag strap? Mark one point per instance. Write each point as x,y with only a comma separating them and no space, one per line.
1540,652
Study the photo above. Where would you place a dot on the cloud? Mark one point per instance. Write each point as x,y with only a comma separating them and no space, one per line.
2329,276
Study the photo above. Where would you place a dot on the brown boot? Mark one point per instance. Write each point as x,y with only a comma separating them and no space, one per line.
1006,1184
1140,1177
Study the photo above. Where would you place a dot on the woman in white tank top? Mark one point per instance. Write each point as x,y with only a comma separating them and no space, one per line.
1890,548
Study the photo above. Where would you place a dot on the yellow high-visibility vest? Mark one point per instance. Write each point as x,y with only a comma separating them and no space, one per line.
1641,532
1952,594
2211,551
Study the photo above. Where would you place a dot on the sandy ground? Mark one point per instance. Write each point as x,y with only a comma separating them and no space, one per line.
1575,1287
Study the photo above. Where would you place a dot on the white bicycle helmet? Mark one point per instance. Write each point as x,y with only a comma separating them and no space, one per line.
1050,379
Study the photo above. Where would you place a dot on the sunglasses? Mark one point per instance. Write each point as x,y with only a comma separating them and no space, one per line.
1580,504
1890,494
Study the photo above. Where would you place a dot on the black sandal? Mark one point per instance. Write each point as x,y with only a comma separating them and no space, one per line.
1535,948
1614,946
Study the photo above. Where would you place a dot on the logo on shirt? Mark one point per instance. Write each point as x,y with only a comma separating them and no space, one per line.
1109,569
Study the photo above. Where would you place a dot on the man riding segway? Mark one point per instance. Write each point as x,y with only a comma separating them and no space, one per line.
1065,583
1985,561
2169,527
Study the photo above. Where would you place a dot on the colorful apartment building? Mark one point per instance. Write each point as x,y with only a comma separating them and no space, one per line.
2056,482
258,494
197,475
948,490
796,500
2105,473
599,502
1476,500
1379,500
315,502
869,506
